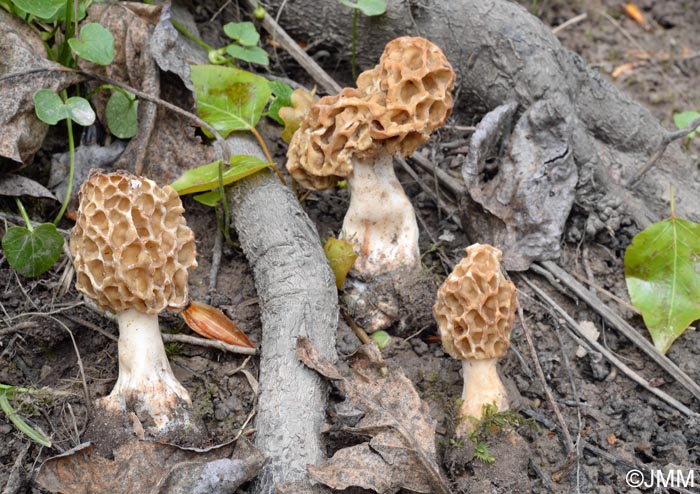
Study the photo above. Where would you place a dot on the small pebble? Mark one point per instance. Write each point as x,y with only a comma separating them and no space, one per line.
419,346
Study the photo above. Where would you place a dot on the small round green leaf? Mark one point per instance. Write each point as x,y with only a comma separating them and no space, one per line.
252,54
96,44
43,9
683,119
32,253
242,32
122,115
259,12
80,111
49,107
367,7
282,97
381,338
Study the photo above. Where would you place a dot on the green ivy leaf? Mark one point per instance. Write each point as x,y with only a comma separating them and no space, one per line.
43,9
32,253
683,119
206,177
96,44
367,7
51,109
282,93
228,98
252,54
243,33
341,257
662,270
122,112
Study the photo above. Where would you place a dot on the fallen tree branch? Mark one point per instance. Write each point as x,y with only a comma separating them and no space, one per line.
298,297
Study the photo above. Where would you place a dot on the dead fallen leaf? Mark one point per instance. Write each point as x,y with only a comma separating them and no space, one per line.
621,69
151,467
400,453
18,186
22,52
632,11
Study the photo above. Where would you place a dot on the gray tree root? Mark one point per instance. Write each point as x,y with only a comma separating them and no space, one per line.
501,52
297,297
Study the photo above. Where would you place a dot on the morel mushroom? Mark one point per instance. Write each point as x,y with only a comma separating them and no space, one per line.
354,135
475,310
131,250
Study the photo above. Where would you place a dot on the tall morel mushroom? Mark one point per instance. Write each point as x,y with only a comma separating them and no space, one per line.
475,310
354,134
131,250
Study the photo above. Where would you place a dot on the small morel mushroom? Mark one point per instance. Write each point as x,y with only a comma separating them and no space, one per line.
354,135
475,310
131,250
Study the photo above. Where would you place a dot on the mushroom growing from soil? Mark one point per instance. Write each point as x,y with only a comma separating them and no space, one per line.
131,250
475,310
354,134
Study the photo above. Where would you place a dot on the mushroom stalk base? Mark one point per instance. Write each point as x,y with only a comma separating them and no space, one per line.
146,384
482,386
380,222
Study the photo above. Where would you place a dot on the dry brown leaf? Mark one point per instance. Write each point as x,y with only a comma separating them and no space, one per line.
22,52
400,453
632,11
151,467
18,186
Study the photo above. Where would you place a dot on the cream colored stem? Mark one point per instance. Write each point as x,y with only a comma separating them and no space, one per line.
380,221
146,382
482,386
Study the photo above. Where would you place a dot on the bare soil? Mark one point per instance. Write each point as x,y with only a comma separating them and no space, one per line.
601,406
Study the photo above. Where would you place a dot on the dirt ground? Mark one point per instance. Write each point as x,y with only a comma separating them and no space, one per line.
45,341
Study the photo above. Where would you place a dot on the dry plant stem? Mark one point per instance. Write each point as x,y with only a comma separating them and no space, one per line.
570,22
219,345
380,222
568,442
145,378
482,386
622,326
359,332
605,352
14,480
268,156
452,184
448,209
293,48
665,141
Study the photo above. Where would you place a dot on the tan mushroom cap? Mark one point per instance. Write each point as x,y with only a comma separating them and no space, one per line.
476,306
397,105
131,246
334,131
416,80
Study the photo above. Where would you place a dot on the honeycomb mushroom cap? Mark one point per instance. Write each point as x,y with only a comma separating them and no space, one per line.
476,306
416,81
131,246
332,134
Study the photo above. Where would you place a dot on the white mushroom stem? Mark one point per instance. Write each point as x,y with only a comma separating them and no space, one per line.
146,383
380,222
482,386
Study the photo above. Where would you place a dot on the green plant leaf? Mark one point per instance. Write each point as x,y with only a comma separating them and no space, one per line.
96,44
51,109
122,113
381,338
32,253
683,119
662,270
252,54
206,177
282,93
228,98
210,198
43,9
341,257
20,424
367,7
61,14
242,32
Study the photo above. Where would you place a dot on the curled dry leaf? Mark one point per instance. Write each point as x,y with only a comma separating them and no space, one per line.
293,115
210,322
22,52
383,406
152,467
